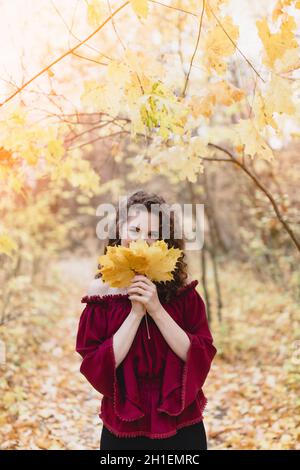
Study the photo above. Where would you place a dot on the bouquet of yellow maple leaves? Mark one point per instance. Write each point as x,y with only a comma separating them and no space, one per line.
120,264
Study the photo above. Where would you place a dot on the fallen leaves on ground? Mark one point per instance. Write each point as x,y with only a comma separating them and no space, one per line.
252,388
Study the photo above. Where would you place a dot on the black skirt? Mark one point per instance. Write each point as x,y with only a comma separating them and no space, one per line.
191,437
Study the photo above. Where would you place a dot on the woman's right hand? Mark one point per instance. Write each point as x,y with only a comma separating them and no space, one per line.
138,308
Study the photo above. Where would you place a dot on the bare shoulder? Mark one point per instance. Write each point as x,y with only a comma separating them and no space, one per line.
96,287
188,280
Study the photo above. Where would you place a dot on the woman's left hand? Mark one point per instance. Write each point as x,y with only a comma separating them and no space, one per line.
145,291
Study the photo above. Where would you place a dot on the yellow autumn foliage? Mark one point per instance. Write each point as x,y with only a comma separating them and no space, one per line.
277,44
120,264
219,44
7,245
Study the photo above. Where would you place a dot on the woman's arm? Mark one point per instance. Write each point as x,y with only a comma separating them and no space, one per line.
174,335
124,336
145,290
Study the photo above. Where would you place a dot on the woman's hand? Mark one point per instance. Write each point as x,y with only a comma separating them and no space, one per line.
144,292
138,308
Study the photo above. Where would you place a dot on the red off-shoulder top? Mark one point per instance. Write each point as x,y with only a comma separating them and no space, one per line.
153,392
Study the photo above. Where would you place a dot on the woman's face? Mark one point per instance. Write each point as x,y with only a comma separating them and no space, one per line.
144,225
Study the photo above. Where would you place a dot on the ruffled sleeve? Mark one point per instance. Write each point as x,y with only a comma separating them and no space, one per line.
183,380
95,348
98,360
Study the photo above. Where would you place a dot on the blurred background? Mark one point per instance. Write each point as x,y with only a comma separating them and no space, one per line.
198,102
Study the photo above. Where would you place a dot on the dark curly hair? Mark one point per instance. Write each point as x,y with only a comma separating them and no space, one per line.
166,290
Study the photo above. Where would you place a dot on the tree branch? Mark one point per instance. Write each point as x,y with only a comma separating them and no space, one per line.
194,53
70,51
267,193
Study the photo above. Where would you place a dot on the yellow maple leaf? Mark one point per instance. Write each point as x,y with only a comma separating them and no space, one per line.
30,154
96,12
279,96
289,62
251,141
201,105
221,92
220,43
162,261
115,268
263,113
120,264
278,43
225,93
55,150
140,7
279,8
277,99
214,6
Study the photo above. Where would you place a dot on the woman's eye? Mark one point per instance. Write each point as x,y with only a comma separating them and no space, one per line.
133,231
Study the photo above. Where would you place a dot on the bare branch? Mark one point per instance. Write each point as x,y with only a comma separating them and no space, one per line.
260,185
196,47
67,53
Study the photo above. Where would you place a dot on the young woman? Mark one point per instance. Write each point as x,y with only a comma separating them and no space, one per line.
147,348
